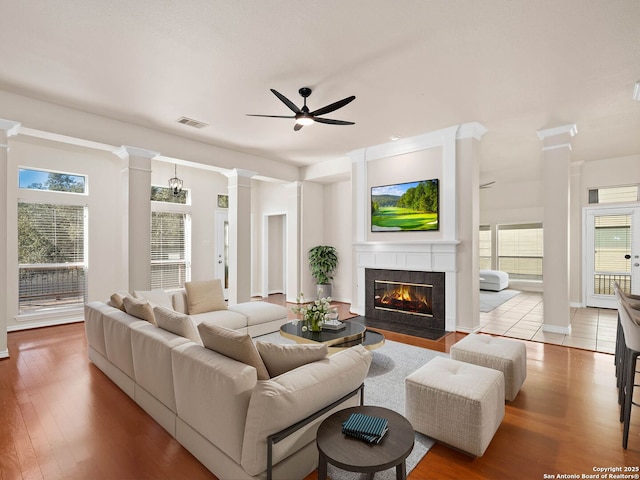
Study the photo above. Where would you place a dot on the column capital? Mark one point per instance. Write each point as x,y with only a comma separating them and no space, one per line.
239,173
471,130
10,128
571,130
127,151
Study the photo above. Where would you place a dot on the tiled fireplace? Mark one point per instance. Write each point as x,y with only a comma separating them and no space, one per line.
405,301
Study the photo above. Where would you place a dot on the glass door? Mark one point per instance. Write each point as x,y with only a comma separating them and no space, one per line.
612,254
222,251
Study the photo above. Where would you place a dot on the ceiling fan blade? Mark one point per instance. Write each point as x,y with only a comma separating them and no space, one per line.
333,122
292,106
271,116
297,127
487,185
334,106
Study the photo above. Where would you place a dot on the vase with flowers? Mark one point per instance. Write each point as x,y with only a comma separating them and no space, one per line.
313,313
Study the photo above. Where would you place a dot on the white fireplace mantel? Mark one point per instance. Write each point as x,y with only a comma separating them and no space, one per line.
432,256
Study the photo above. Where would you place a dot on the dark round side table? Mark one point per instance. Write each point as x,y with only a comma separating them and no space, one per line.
355,455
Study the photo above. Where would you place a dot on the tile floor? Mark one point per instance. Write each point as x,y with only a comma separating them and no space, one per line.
522,316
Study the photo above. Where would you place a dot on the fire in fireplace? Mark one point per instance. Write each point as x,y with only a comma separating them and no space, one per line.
403,297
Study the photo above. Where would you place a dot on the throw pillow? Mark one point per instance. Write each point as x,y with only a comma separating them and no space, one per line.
139,308
232,344
157,298
205,296
116,300
280,359
177,323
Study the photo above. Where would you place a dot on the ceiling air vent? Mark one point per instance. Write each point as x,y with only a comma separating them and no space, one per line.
191,122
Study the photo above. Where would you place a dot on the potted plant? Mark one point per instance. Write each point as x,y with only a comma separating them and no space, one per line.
323,260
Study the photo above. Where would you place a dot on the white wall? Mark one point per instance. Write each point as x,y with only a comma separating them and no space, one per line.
409,167
513,202
269,201
337,223
312,234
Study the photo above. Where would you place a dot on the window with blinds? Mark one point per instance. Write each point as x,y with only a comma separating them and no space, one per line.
520,250
170,266
51,256
624,194
485,247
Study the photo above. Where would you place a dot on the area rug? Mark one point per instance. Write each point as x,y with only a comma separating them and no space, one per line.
490,300
384,387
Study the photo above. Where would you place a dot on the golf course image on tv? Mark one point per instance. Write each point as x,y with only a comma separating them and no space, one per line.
408,207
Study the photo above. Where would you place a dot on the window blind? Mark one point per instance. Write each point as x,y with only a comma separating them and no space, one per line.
612,240
520,250
51,255
169,241
485,247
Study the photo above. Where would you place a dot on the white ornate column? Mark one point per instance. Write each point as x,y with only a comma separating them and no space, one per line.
239,235
294,254
8,129
136,209
468,226
557,186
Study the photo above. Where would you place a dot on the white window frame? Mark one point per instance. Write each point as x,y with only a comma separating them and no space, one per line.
166,207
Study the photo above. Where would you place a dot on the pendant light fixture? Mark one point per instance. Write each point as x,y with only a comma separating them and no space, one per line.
175,184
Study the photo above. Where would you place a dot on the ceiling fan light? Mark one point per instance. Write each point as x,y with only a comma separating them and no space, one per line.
304,121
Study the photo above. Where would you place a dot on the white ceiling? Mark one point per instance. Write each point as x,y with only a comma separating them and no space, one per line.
515,66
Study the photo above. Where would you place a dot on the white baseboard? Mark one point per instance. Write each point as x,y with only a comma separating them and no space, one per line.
526,285
469,330
44,323
4,354
557,329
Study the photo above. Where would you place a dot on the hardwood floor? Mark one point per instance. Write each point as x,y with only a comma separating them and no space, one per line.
61,418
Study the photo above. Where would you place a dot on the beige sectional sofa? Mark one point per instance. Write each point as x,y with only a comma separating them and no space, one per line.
215,406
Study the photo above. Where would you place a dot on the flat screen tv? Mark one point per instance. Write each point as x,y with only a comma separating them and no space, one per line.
405,207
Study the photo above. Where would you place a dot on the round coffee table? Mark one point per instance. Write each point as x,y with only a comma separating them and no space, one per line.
355,455
354,333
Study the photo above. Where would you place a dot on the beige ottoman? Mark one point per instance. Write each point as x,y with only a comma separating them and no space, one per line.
504,354
456,403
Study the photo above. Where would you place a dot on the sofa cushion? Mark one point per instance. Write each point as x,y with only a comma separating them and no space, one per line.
157,298
205,296
179,301
116,299
141,309
260,312
281,358
222,318
151,348
177,323
232,344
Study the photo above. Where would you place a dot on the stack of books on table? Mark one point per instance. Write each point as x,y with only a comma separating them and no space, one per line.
365,427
